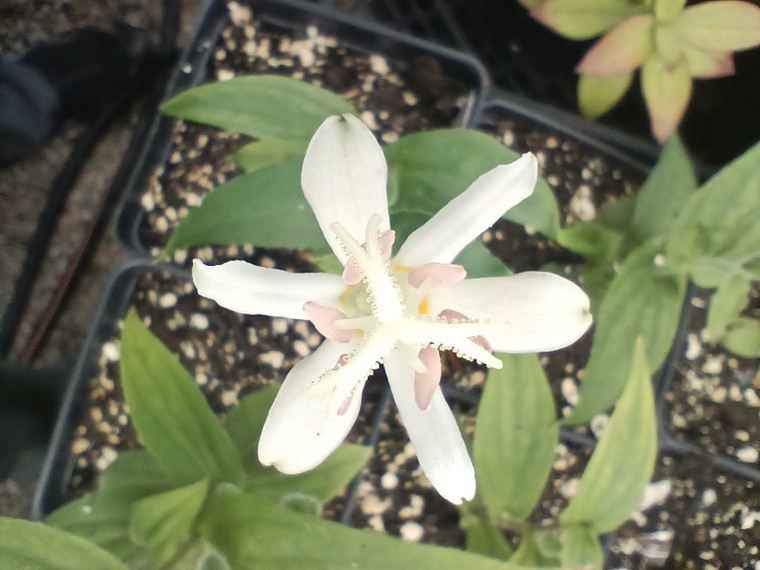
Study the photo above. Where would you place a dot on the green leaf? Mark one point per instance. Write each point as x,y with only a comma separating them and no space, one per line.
515,437
720,26
102,517
726,304
321,483
668,10
428,169
483,536
533,550
717,232
622,463
595,242
621,50
169,412
597,95
661,199
245,421
667,90
480,262
253,533
244,424
584,19
163,522
265,208
642,300
581,548
670,49
268,151
266,106
743,338
33,545
706,64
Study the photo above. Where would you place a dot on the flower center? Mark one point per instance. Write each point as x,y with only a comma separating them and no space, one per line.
385,307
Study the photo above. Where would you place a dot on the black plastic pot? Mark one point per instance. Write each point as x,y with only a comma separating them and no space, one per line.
293,17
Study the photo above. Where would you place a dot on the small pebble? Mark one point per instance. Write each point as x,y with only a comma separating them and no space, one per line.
411,531
747,454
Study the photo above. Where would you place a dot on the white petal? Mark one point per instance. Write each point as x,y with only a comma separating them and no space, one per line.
253,290
528,312
433,432
344,179
300,431
471,213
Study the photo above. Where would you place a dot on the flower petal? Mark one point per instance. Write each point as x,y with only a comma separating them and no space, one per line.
247,288
303,427
471,213
344,179
433,432
528,312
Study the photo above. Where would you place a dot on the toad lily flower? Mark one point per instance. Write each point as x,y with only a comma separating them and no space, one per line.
398,311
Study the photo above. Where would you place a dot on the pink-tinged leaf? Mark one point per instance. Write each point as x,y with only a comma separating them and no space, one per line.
708,65
668,45
666,93
667,10
622,50
584,19
597,95
724,26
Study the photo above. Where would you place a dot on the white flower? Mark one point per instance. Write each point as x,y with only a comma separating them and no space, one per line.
393,310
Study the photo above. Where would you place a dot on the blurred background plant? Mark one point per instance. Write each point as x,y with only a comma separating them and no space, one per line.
670,43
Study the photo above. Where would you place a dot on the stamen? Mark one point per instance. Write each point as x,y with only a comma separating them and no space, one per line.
324,319
436,274
426,382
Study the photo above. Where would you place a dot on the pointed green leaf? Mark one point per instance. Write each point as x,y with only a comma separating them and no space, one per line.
726,304
428,169
597,95
667,90
269,106
611,487
265,208
720,26
621,50
661,199
581,548
717,232
642,300
102,517
515,437
253,533
164,521
33,545
584,19
169,412
268,151
743,338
